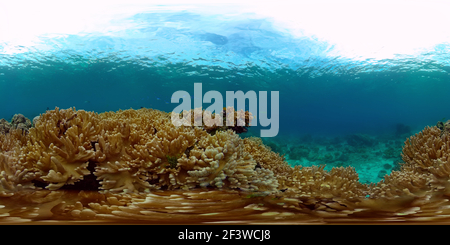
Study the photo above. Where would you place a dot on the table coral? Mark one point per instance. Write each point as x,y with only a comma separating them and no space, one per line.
135,166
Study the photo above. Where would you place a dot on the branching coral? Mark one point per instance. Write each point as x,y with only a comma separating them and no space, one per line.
428,153
312,186
220,160
137,165
426,168
134,151
59,146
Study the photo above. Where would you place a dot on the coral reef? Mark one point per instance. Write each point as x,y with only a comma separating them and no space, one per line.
229,119
335,151
135,165
134,151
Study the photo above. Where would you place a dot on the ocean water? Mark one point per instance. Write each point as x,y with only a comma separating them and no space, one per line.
353,83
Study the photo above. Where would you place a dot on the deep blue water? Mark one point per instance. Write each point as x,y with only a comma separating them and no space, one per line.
329,104
140,58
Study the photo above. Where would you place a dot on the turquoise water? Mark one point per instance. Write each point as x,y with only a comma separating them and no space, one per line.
338,106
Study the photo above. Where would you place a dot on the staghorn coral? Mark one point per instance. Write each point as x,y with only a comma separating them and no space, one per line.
135,165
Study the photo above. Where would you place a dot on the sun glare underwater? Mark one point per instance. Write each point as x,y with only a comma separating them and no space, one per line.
355,79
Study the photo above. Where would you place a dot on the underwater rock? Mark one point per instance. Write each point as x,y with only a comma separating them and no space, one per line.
307,139
339,156
308,152
298,153
402,129
35,119
382,173
337,141
18,121
314,154
333,157
444,127
390,153
360,140
5,126
275,147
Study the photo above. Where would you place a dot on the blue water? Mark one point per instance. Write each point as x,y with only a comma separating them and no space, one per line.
139,56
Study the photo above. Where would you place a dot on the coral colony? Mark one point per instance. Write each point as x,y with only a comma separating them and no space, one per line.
206,117
136,166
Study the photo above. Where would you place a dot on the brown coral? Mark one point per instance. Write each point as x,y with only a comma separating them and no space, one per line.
18,121
428,154
228,119
422,181
136,165
220,160
59,146
134,151
313,187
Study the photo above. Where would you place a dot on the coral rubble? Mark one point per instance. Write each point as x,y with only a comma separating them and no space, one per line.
135,165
